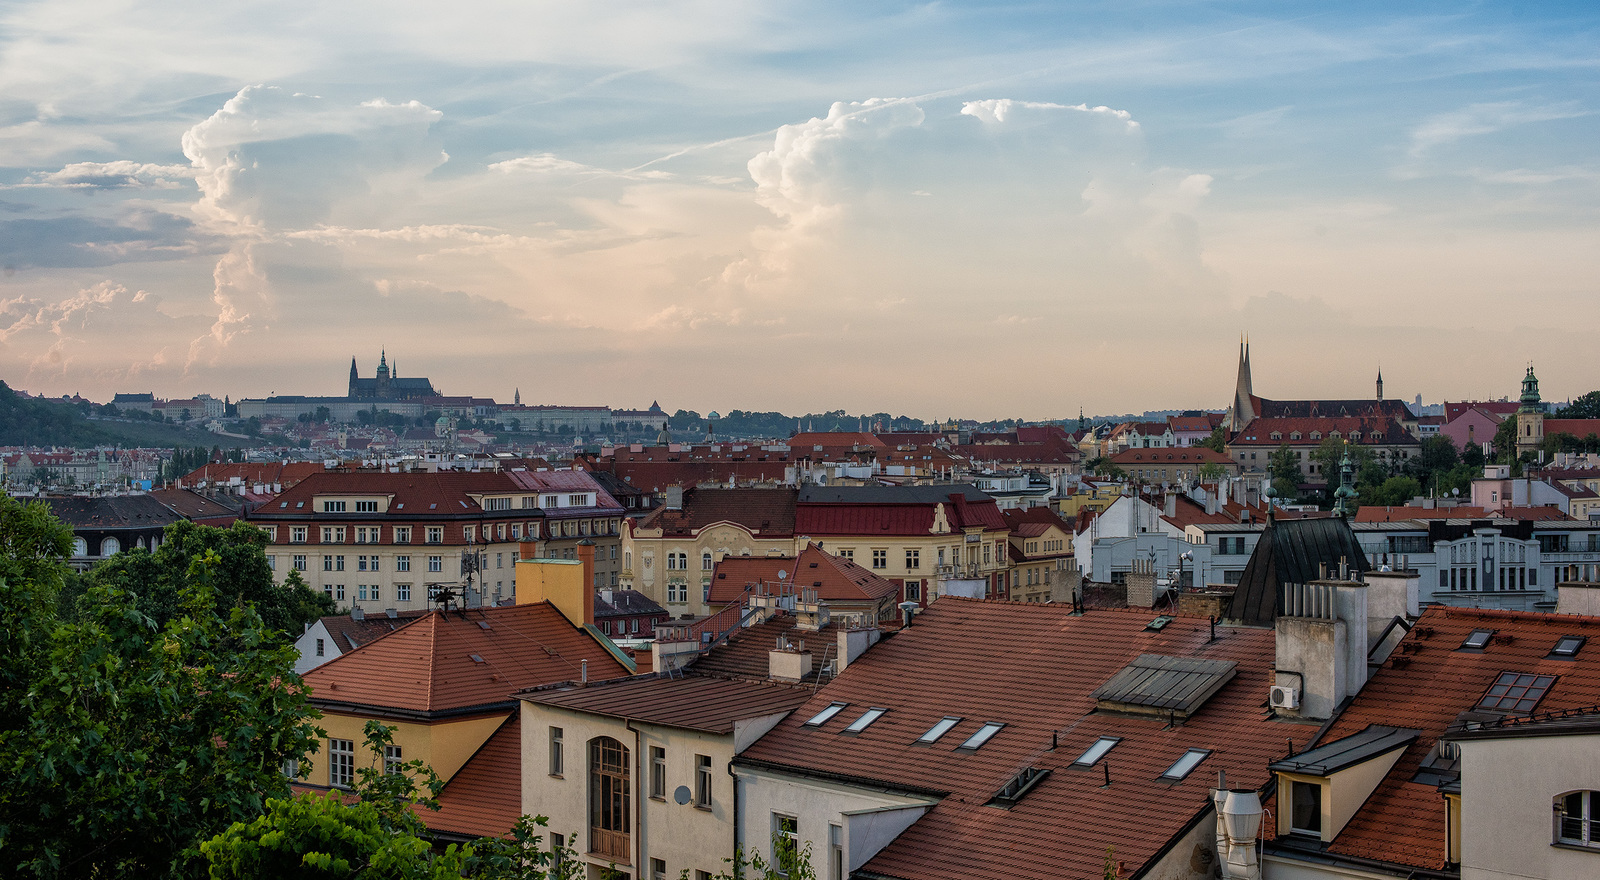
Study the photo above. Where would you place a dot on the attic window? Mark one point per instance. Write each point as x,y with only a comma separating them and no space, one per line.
484,624
1094,753
400,506
865,720
1294,435
476,658
1184,765
822,717
1516,692
938,730
1567,647
1019,785
282,504
1159,624
299,504
1477,640
432,506
984,734
1316,435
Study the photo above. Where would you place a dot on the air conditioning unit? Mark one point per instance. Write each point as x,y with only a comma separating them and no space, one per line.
1284,697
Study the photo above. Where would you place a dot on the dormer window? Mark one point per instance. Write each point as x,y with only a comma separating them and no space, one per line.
1277,435
1316,435
1305,808
1355,435
1334,435
1294,435
1377,436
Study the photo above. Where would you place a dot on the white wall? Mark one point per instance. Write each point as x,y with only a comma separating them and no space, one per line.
870,819
1508,787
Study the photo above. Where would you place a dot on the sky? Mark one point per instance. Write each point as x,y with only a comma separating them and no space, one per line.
1002,210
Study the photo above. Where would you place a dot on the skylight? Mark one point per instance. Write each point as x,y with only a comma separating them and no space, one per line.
984,734
1516,692
1567,647
1097,751
866,719
1478,639
1182,767
940,729
822,717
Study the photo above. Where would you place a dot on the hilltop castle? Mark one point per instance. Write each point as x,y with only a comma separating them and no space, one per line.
387,384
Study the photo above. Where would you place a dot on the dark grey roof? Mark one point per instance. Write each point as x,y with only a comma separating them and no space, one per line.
112,512
1164,684
1372,741
1292,552
929,494
625,602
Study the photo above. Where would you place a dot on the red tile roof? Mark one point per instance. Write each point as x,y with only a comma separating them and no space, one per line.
836,579
426,666
484,797
898,510
745,653
349,633
1173,455
768,513
1035,669
286,473
1424,685
1374,513
692,702
1579,428
1259,432
1497,408
807,441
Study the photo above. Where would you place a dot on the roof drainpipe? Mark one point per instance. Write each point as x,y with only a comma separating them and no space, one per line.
638,802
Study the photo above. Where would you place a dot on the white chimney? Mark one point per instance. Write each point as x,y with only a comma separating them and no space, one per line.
1321,646
855,642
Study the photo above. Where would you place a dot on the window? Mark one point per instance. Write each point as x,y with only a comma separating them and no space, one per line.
327,563
1567,647
320,648
361,592
677,592
338,563
499,560
341,763
291,768
658,772
402,592
913,559
272,561
435,563
658,869
1095,752
939,729
880,559
984,734
299,561
435,534
913,591
1184,765
835,852
366,507
1578,818
402,534
785,842
333,507
375,591
361,562
577,500
609,797
1477,640
392,759
401,563
516,531
705,561
1516,692
469,533
865,720
338,592
556,762
702,780
822,717
497,504
1305,808
848,553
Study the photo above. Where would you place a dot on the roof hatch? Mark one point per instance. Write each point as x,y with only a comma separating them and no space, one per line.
1168,686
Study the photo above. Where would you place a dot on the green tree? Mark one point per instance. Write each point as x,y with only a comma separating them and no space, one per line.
1218,441
1284,466
252,426
1392,491
1330,454
1586,406
160,580
123,744
1210,472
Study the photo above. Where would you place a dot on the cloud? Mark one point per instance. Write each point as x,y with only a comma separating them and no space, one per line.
549,163
795,178
1480,119
80,241
999,110
122,174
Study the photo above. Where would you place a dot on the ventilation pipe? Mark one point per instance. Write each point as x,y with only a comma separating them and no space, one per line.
907,610
1241,818
583,672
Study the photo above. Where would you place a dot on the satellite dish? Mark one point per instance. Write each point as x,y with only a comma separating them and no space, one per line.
782,574
682,794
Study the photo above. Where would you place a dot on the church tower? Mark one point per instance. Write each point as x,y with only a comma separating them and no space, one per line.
1243,410
353,376
381,384
1380,384
1530,415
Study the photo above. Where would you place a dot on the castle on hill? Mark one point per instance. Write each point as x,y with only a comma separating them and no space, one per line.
387,384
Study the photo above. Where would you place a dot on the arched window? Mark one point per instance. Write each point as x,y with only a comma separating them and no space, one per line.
1578,818
705,561
110,547
80,547
609,798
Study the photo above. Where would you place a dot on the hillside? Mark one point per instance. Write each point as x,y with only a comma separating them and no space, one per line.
26,421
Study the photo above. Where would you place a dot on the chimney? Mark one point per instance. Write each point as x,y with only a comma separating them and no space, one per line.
1142,583
1212,496
1322,641
586,556
855,642
789,661
1170,508
672,498
528,550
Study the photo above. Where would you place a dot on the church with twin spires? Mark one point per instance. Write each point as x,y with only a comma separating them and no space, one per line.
387,384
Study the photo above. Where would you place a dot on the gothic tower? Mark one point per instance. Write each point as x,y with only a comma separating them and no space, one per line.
353,376
381,384
1380,384
1243,410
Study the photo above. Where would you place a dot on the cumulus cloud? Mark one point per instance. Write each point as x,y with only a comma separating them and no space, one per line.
795,178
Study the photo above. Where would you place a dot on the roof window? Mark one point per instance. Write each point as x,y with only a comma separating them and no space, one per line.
822,717
865,720
1567,647
1516,692
282,504
1477,640
1097,751
984,734
938,730
1184,765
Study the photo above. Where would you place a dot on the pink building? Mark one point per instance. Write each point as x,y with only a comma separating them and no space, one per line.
1470,422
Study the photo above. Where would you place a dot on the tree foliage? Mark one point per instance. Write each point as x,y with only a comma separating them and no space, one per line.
1586,406
161,579
123,742
1217,442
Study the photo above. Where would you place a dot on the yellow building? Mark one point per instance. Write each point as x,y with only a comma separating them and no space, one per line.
670,554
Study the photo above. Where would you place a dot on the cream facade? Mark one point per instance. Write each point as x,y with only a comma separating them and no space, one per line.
1513,790
676,571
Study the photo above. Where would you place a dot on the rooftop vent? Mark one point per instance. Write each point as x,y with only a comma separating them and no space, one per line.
1020,784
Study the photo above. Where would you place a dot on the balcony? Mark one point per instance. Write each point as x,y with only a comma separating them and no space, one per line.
609,844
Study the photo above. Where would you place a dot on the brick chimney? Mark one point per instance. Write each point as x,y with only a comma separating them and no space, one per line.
586,556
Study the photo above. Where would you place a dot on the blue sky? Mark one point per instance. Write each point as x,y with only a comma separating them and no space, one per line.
983,209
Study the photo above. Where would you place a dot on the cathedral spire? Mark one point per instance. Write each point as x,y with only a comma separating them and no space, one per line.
1243,409
1380,384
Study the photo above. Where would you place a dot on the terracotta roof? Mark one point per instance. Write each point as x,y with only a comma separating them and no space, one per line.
1534,514
484,797
1579,428
349,633
1259,432
1426,683
745,653
892,510
767,512
808,440
285,473
692,702
1171,455
1374,513
836,579
445,494
1497,408
1035,669
219,510
427,666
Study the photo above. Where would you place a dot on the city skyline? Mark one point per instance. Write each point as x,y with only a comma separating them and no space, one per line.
957,208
